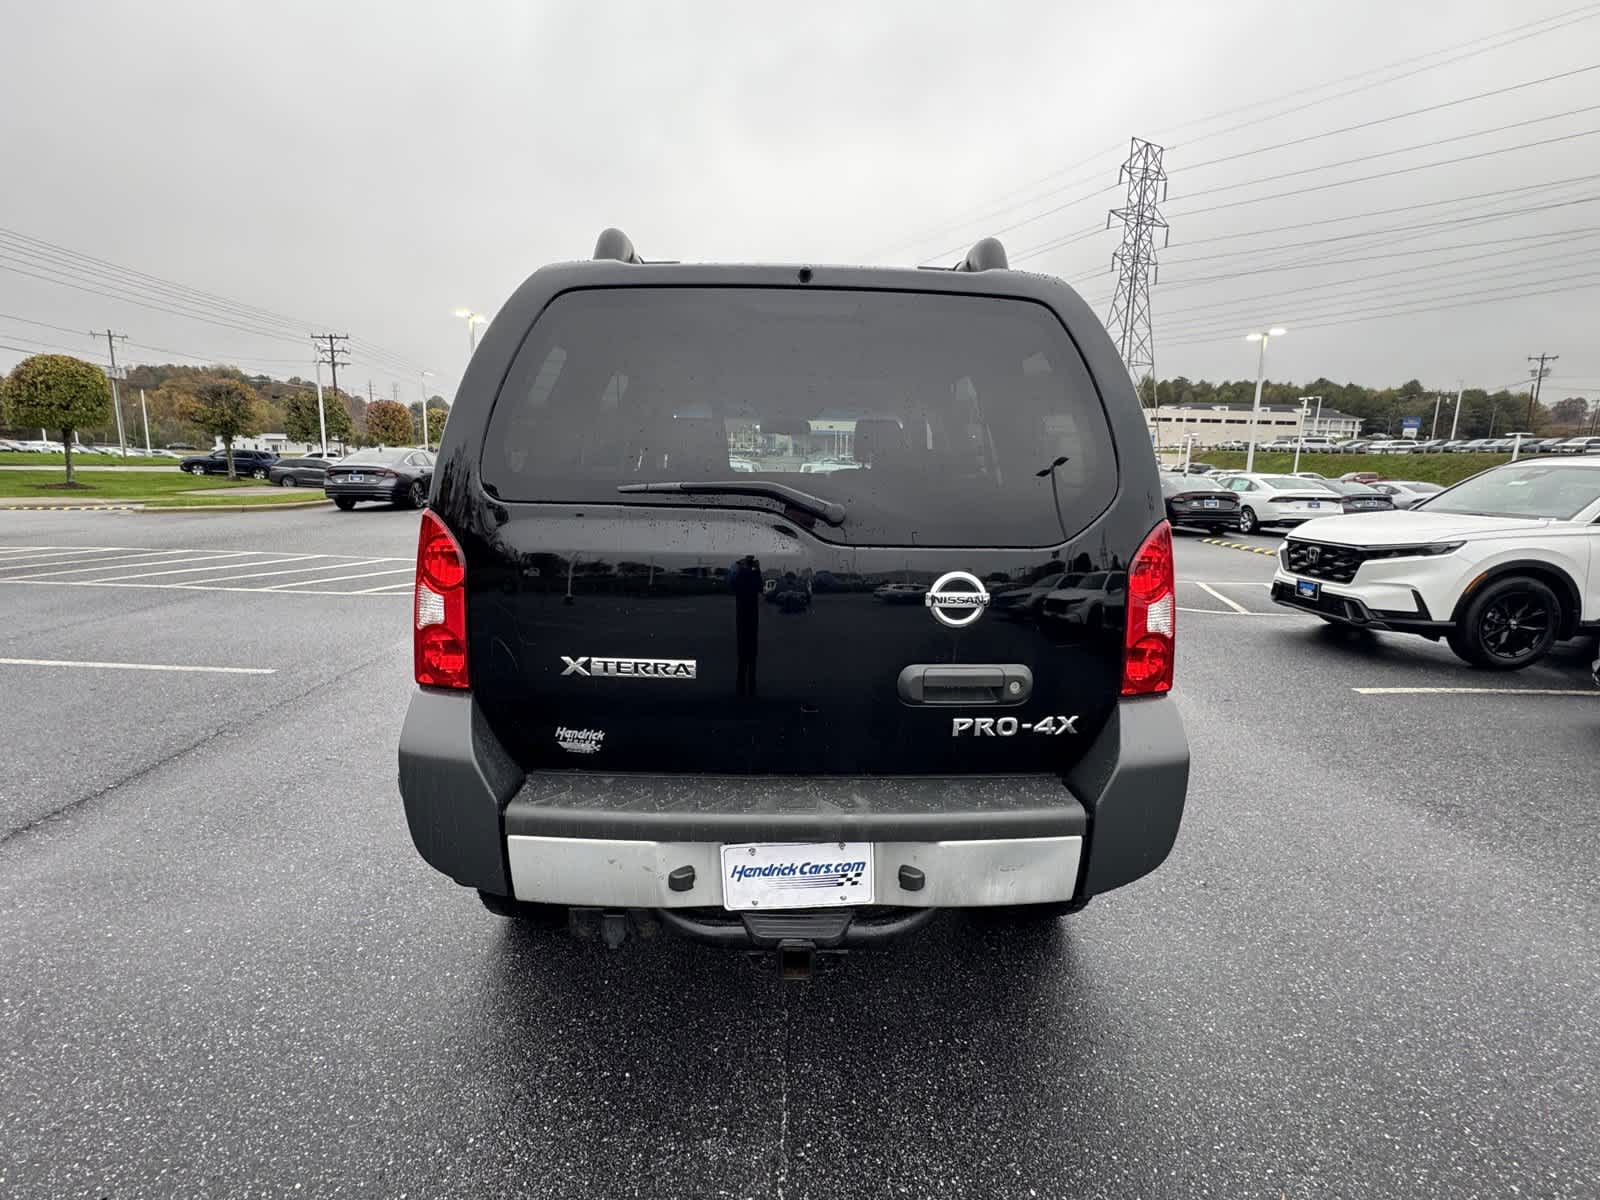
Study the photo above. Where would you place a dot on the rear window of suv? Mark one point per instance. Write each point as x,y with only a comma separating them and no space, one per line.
933,419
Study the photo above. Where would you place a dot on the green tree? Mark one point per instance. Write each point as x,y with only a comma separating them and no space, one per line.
302,423
57,391
388,423
225,408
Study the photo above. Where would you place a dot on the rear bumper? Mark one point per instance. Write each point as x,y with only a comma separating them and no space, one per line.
363,491
615,841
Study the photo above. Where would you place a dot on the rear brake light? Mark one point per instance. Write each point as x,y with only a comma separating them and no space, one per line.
440,612
1150,642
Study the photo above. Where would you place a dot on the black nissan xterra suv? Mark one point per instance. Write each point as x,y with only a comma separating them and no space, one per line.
658,681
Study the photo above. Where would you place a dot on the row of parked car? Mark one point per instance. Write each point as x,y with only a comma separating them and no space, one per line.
1504,445
80,448
389,474
1221,501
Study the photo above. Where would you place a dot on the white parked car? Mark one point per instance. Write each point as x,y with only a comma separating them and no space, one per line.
1275,500
1406,493
1502,565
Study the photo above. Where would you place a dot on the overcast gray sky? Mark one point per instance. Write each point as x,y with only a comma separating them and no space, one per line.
372,166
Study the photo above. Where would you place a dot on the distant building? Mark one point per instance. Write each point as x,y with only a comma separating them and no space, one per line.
1214,423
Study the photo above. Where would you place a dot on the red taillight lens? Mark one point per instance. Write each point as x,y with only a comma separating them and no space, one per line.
1150,645
440,612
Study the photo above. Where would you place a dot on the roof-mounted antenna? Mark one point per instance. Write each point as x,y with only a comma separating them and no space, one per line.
613,243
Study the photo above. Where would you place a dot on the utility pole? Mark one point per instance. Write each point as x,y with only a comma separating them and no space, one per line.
116,400
338,356
1455,421
1538,379
1433,430
422,382
145,413
369,391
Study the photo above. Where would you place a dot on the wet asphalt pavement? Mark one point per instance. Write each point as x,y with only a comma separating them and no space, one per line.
1371,966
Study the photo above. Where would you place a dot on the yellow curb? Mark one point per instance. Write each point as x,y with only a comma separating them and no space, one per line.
1241,546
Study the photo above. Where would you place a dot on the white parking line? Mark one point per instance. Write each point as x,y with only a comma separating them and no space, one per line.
143,561
1473,691
1216,595
185,587
326,566
215,566
24,561
283,587
126,666
387,589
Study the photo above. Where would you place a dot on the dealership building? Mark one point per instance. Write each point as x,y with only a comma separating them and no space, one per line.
1214,423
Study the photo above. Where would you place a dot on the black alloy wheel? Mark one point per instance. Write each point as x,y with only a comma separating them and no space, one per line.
1510,624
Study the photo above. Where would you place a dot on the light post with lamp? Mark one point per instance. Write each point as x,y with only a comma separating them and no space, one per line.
1261,374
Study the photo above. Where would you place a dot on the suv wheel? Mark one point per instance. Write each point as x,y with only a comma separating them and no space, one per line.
534,916
1510,624
259,473
196,469
1247,520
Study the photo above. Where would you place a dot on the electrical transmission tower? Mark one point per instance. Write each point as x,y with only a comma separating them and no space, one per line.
1135,260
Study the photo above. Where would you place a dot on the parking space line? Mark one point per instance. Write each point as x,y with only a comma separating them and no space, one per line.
1243,612
46,558
324,566
1474,691
127,666
181,557
283,587
219,566
181,587
387,589
1216,595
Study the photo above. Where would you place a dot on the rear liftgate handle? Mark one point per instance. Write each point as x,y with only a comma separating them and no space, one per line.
978,683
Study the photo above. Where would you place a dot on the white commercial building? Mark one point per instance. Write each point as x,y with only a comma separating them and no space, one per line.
1216,423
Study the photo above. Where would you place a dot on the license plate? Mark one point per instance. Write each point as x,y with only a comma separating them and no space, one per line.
1313,503
356,479
1307,590
1208,504
775,875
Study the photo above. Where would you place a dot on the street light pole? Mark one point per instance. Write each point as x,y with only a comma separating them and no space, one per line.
473,320
322,413
1300,442
1456,420
422,382
1261,374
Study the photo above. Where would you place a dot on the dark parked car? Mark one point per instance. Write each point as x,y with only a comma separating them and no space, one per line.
1358,497
398,476
1198,500
253,464
599,752
298,472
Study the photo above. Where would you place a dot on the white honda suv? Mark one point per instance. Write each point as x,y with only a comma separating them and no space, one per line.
1502,565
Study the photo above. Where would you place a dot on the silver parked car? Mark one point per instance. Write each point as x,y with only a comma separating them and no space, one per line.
1406,492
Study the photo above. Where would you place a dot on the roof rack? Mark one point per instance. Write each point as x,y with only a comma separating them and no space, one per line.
613,243
985,255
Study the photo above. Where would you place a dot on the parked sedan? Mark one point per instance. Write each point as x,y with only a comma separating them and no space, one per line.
1407,492
399,476
252,463
298,472
1199,500
900,593
1357,497
1266,500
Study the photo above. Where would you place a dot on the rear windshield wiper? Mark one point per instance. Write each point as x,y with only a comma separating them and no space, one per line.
829,510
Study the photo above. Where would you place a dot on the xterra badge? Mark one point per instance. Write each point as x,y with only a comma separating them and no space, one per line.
1009,727
959,608
631,668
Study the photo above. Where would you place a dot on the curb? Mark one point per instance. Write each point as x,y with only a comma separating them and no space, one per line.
237,508
1241,546
5,508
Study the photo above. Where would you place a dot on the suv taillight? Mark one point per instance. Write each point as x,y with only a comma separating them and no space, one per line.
441,607
1150,645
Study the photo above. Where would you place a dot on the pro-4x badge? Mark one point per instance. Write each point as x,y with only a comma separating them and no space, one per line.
629,668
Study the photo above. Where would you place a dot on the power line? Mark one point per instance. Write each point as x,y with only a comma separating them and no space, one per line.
1428,145
1049,212
1415,112
1326,99
1403,312
1228,314
1587,11
1428,166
